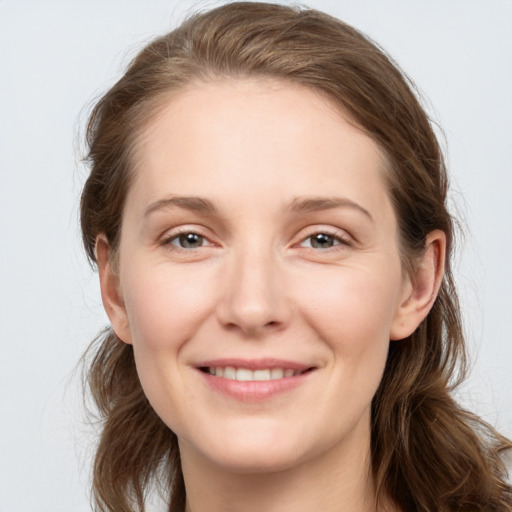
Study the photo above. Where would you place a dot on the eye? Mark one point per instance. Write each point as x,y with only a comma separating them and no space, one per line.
322,241
188,240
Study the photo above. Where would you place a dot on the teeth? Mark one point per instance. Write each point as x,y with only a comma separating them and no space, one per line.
229,372
262,375
276,373
246,375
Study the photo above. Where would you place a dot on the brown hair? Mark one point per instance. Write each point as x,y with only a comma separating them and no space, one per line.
427,453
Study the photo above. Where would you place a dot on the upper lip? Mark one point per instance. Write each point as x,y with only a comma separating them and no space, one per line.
254,364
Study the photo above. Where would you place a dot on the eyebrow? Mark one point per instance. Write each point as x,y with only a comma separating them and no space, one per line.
314,204
192,203
298,204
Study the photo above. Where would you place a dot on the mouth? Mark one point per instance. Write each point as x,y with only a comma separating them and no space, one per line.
254,380
249,375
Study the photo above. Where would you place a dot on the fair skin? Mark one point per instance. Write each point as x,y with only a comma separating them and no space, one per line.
259,241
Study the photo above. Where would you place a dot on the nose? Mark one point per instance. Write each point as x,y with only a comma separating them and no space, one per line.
254,295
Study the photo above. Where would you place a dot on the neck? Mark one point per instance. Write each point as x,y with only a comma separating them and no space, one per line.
339,481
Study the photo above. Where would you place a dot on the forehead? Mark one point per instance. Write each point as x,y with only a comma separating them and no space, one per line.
246,137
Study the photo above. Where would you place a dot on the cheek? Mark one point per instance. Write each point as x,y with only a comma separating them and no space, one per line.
165,309
164,306
352,301
352,312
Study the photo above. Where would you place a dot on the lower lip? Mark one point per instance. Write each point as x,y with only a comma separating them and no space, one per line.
255,390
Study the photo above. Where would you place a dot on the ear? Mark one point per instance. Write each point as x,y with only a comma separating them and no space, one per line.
111,291
420,289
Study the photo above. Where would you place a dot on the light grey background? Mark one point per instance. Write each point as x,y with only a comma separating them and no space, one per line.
55,57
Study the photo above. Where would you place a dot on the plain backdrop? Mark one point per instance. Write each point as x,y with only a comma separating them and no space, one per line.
57,57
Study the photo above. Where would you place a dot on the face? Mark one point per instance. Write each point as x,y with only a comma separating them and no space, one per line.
259,276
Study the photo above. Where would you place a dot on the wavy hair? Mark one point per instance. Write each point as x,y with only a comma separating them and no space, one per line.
427,453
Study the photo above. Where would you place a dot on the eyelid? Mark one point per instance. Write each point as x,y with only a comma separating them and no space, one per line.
173,233
344,238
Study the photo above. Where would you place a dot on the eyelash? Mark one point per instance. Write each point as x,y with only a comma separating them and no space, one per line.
168,240
338,238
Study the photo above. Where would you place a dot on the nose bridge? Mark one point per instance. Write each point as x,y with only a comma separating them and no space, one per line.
253,298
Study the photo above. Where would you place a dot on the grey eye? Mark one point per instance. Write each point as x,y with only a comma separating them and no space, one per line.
321,241
189,241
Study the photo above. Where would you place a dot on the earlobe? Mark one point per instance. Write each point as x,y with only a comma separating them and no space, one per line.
111,294
422,288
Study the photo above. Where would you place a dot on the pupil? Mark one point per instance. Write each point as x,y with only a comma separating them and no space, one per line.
190,240
322,241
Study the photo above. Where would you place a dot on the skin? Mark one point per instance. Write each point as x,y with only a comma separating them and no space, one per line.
258,282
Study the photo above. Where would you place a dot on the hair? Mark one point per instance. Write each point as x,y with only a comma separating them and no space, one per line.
427,453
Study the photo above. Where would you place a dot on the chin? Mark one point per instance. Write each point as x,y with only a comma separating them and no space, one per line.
257,461
250,451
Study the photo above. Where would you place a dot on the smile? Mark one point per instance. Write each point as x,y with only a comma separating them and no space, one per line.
247,375
254,380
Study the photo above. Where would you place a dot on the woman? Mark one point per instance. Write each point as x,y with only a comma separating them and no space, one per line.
266,207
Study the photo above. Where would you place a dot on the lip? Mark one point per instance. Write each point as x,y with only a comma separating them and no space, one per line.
256,364
254,391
